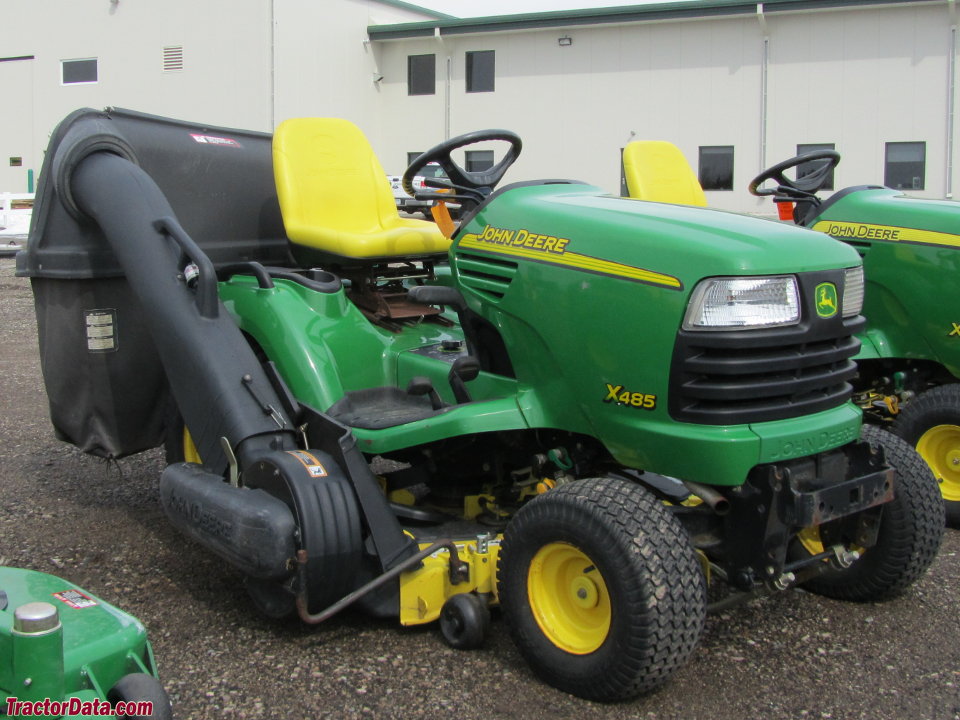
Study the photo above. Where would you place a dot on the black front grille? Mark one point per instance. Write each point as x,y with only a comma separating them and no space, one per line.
744,376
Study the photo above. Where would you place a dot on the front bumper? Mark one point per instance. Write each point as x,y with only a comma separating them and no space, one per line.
841,492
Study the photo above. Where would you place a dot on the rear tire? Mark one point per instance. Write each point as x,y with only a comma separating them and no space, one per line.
174,434
601,589
911,527
273,599
931,423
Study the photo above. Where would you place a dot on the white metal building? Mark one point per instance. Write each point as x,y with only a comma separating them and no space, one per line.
736,85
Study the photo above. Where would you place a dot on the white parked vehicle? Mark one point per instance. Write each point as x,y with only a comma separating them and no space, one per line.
15,212
408,204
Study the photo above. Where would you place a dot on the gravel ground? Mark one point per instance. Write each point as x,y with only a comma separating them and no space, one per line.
100,525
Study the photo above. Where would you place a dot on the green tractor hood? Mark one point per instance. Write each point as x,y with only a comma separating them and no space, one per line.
672,242
589,294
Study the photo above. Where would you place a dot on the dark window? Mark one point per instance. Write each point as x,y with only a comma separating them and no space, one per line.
805,169
411,156
480,66
16,162
421,74
478,160
905,165
79,71
716,167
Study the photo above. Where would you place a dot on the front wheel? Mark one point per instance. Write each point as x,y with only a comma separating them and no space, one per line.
931,423
601,589
911,527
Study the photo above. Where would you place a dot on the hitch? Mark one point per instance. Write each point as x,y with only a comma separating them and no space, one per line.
839,557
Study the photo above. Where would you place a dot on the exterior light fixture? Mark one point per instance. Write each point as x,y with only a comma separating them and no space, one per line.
565,41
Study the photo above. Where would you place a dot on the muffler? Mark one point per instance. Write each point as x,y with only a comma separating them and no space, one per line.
250,529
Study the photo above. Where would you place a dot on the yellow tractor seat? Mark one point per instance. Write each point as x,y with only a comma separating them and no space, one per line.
656,170
335,197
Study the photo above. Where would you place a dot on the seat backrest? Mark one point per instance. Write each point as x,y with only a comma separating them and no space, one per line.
335,197
656,170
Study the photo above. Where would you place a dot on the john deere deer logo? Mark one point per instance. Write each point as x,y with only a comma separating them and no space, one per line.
826,294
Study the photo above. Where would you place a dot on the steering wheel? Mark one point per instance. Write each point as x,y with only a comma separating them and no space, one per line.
803,187
469,186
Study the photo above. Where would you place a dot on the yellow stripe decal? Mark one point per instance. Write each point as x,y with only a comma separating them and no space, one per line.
570,259
890,233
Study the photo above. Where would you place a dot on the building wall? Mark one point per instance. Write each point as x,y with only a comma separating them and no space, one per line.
857,78
229,55
325,64
18,132
854,77
862,79
226,61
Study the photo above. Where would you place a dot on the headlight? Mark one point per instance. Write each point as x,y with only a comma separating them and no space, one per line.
743,303
852,291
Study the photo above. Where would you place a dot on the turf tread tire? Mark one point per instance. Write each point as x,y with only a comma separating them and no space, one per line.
936,406
911,528
655,582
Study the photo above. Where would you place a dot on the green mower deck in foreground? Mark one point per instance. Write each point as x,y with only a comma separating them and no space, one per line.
67,652
576,407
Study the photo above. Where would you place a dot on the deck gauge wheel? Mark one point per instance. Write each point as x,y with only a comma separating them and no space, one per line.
140,688
465,621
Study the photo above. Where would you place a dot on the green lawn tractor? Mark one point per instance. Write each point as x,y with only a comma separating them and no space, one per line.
909,362
66,653
578,408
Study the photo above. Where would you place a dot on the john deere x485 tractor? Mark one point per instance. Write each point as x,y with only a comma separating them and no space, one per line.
909,362
577,408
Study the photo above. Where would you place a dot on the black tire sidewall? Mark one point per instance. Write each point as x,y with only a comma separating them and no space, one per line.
937,406
568,665
653,578
908,538
473,617
173,428
142,687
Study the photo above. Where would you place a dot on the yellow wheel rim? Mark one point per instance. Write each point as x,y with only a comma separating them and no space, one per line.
940,447
190,452
569,598
813,544
810,539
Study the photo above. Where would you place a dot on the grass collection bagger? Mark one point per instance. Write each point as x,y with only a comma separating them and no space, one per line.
577,407
909,361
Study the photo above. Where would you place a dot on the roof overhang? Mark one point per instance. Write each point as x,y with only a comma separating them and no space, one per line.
618,15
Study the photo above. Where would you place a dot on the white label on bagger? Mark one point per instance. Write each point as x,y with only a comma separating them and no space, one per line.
215,140
101,330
